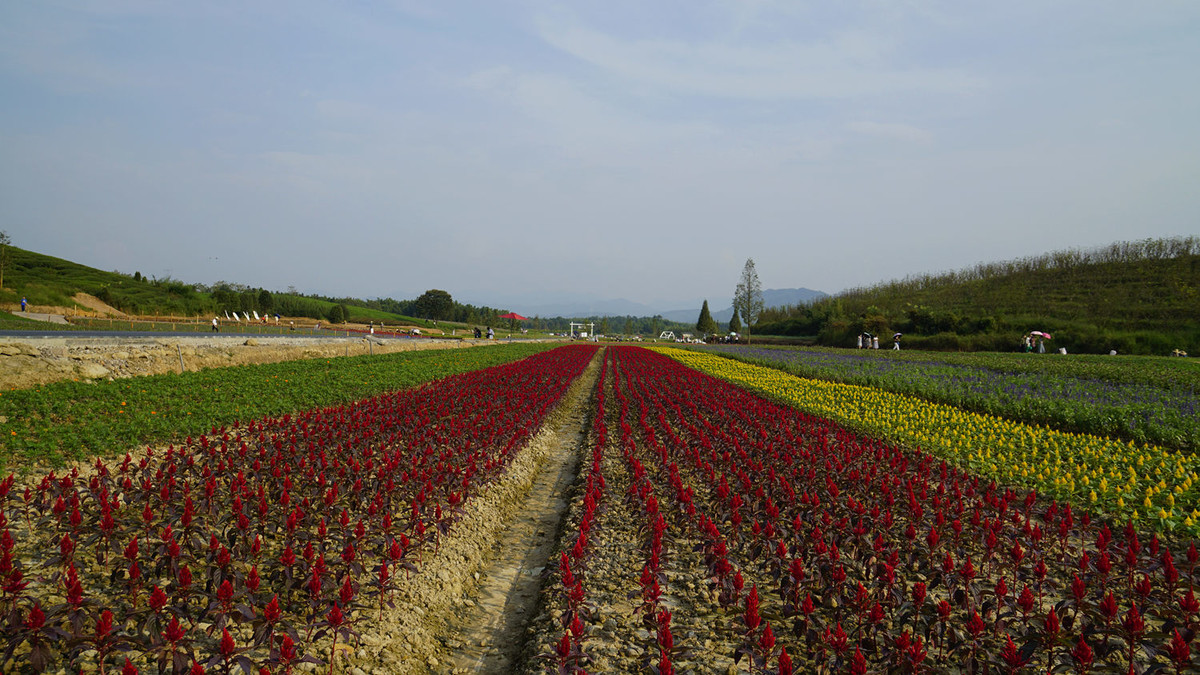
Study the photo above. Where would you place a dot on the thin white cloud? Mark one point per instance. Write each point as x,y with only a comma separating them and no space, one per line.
898,132
848,64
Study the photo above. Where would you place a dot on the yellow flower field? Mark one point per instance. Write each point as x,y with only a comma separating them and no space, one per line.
1122,479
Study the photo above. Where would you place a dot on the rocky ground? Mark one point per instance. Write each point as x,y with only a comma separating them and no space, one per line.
29,362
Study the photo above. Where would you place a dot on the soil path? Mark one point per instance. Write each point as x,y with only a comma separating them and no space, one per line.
487,637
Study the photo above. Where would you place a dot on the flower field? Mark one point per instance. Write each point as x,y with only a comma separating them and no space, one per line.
1139,399
1142,482
720,532
71,421
725,518
256,545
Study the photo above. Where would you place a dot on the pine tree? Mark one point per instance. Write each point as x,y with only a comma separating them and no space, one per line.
735,324
748,299
706,325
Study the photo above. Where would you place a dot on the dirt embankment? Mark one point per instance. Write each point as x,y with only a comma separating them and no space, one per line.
31,362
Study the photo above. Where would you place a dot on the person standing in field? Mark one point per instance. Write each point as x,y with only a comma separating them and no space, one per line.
896,343
491,333
860,340
216,328
23,303
1041,345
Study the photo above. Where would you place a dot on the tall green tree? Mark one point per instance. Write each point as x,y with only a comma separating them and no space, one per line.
705,325
628,326
5,244
747,298
435,304
735,324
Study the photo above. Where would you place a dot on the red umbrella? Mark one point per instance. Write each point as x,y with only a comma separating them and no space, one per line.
514,316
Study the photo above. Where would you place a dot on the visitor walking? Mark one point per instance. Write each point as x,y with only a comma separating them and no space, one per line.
875,342
23,302
860,340
216,325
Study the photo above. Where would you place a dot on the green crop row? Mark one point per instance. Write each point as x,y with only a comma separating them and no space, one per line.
70,421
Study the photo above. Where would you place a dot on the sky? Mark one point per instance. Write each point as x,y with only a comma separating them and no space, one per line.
520,152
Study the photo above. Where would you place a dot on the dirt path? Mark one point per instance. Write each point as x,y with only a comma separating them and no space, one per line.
465,610
487,637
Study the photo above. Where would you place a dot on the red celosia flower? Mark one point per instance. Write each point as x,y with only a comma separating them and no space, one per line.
128,668
564,647
1108,607
271,612
335,616
287,649
767,641
1189,604
1178,650
158,599
785,663
1012,656
1026,600
858,663
227,646
751,616
347,592
1133,622
1052,625
36,618
975,624
225,594
287,558
104,625
174,632
1079,590
1082,653
918,593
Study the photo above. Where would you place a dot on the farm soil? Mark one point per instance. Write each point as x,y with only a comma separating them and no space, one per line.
467,608
32,362
618,637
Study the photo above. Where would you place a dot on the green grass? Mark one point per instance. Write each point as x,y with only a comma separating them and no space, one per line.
70,421
1135,297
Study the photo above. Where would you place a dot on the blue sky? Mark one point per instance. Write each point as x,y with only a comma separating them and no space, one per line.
525,152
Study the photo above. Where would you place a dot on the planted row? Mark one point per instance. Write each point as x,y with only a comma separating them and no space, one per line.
262,544
1142,482
1165,413
832,552
80,420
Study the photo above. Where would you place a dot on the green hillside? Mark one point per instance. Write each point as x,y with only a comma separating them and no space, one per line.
48,281
1135,297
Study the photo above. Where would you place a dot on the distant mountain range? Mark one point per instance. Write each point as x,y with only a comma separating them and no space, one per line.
772,297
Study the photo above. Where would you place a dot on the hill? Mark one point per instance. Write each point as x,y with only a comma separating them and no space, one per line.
48,281
1135,297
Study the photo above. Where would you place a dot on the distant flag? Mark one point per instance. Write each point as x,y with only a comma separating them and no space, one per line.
226,315
256,315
